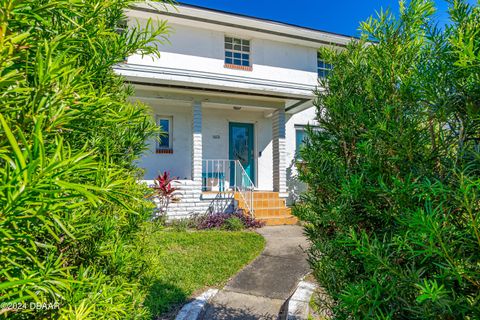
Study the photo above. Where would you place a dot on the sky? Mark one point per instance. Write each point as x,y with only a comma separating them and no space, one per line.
338,16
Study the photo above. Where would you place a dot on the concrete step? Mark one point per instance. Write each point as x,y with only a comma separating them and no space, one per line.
271,212
279,220
268,207
264,195
262,203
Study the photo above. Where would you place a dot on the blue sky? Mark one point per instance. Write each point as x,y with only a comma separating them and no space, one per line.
340,16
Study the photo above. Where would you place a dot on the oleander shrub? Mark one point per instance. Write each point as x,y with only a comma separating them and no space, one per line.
392,207
69,198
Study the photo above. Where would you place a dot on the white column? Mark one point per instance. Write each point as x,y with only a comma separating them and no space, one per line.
279,153
197,141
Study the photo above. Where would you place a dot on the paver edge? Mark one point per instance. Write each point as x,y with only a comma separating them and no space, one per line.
193,309
298,304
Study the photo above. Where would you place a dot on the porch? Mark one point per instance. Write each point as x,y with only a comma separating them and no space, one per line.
227,151
228,185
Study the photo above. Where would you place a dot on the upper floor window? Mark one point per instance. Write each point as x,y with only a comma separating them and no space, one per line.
165,144
323,68
237,52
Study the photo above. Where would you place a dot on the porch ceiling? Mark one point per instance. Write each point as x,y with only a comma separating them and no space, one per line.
216,99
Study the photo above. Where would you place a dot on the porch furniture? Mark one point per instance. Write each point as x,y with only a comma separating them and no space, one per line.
213,180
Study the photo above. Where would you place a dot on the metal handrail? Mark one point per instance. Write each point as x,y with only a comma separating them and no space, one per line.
248,189
220,171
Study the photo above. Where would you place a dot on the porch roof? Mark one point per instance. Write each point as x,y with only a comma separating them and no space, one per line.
294,97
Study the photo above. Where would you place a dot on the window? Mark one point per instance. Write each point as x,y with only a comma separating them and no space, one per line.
323,68
300,139
237,52
164,144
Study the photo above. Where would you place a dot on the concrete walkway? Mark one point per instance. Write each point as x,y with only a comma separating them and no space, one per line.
261,288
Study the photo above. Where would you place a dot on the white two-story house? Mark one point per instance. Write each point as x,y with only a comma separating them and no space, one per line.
233,94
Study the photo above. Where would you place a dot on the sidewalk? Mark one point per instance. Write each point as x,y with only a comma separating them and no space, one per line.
260,289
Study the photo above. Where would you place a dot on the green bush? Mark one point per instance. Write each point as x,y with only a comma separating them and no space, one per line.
233,224
182,224
69,198
393,202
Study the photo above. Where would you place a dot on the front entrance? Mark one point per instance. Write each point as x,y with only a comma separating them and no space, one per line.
241,147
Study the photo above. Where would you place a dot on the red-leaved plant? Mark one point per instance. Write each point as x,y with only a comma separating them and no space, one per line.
165,191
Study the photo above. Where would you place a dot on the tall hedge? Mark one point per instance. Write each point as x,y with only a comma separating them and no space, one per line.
69,201
393,204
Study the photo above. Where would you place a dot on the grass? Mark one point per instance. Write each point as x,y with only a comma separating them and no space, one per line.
180,263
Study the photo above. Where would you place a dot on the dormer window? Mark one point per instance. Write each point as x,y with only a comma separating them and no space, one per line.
323,68
237,53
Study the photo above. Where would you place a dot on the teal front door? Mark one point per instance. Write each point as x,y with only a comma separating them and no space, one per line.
242,148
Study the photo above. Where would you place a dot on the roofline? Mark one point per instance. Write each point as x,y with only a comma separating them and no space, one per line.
265,20
275,28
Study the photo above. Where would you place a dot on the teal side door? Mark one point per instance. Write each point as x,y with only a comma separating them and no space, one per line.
241,147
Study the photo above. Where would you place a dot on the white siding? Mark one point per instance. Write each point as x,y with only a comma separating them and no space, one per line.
179,163
202,50
216,122
295,186
303,118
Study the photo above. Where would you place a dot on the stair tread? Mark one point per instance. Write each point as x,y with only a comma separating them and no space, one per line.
275,217
280,221
268,206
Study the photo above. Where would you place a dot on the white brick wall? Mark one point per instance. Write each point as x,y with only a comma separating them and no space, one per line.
279,153
191,202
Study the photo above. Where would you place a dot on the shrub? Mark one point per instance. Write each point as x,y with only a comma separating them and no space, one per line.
69,197
249,221
165,193
392,207
183,224
213,221
233,224
218,220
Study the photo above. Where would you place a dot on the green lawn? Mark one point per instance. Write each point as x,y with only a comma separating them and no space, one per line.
181,263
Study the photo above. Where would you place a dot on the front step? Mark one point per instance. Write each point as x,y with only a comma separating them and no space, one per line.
279,221
269,208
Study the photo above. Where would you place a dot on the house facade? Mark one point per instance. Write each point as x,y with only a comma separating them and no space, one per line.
233,95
